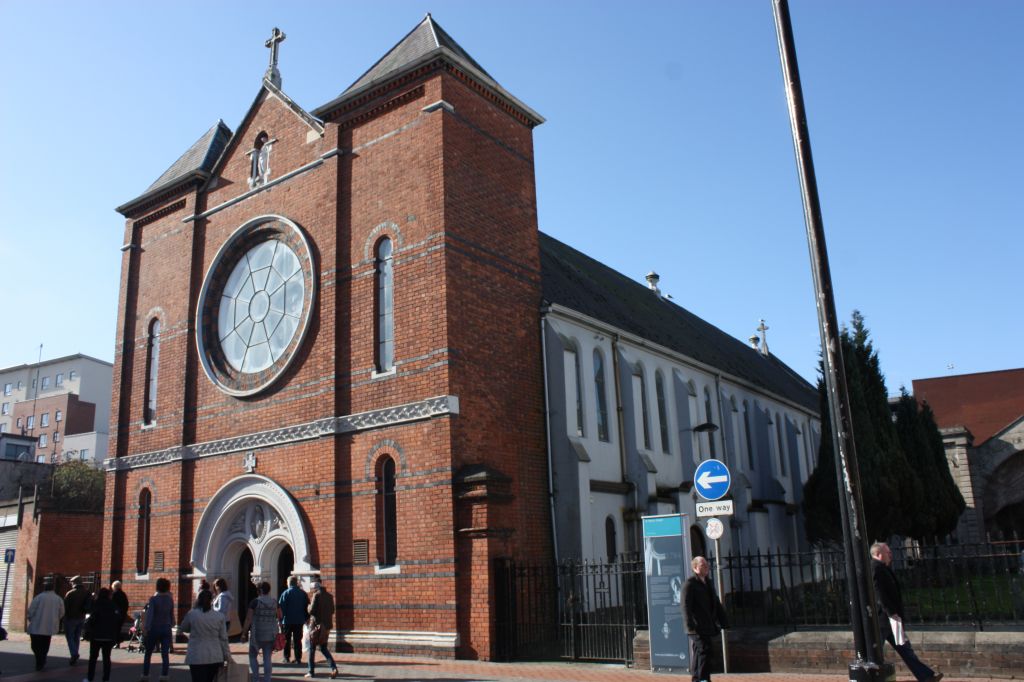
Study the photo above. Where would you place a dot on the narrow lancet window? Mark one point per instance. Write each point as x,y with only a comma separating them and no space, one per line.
152,370
385,305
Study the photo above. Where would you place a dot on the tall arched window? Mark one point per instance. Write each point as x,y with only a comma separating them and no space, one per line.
778,437
385,304
640,405
152,369
610,541
659,390
602,400
709,417
746,432
387,514
142,537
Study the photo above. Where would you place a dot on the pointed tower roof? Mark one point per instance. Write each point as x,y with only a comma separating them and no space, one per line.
423,44
196,163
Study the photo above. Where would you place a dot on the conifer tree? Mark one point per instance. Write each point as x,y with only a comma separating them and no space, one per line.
888,485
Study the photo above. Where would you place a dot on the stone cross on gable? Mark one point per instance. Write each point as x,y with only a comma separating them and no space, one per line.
273,75
763,328
249,461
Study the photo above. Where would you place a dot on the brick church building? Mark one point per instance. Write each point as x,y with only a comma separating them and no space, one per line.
311,377
331,364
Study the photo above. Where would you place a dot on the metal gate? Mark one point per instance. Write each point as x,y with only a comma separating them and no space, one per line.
8,540
578,610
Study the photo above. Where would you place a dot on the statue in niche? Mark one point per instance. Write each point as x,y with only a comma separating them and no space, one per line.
256,525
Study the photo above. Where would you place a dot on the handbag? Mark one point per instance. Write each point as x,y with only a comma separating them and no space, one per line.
279,641
87,628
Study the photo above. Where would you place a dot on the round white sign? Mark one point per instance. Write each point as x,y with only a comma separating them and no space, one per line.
714,529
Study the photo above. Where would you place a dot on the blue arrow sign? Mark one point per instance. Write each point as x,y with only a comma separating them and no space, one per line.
8,556
712,480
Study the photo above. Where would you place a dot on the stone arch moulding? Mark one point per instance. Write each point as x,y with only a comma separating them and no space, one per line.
254,511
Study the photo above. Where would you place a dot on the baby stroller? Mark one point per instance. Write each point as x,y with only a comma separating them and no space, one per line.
135,634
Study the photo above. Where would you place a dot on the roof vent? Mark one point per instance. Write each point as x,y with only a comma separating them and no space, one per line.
754,341
652,282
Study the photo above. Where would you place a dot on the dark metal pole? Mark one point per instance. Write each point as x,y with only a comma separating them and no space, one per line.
869,664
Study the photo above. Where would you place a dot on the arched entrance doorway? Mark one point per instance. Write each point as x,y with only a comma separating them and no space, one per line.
249,532
697,545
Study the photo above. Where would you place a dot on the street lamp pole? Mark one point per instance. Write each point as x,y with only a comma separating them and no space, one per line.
869,664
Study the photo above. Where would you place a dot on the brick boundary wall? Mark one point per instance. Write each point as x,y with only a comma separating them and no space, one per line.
955,653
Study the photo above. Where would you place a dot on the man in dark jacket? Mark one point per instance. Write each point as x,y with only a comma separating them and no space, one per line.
74,616
321,621
704,616
890,611
294,605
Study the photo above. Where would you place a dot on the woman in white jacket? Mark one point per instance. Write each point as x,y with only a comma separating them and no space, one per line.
208,640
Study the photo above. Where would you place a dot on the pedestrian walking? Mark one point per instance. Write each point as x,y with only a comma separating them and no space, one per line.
102,629
158,623
208,640
321,620
74,616
223,602
705,618
261,626
120,600
44,614
294,603
889,596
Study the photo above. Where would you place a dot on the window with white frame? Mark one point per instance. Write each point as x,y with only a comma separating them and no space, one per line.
709,418
573,393
42,440
747,416
659,390
44,419
56,436
46,382
8,388
600,396
640,409
778,438
385,306
72,375
5,409
31,423
83,453
58,416
3,427
60,378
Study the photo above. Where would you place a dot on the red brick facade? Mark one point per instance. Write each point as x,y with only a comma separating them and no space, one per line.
453,187
56,416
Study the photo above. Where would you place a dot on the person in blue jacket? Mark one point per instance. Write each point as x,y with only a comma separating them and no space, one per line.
294,603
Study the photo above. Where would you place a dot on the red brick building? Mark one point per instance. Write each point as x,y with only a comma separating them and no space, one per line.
981,418
312,376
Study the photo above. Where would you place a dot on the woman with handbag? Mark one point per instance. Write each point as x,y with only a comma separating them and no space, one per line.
102,628
261,626
208,640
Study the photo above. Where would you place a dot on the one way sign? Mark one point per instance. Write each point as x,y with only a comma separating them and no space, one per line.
713,479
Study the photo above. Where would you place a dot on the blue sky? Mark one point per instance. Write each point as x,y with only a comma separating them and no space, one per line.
666,147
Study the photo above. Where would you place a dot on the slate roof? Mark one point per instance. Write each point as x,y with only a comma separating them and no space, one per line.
424,43
198,161
427,37
200,156
576,281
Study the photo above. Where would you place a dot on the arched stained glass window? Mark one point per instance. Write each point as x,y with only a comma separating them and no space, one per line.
600,397
143,532
152,370
659,390
387,514
385,306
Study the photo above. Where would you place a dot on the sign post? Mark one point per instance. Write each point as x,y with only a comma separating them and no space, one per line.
713,480
666,558
8,559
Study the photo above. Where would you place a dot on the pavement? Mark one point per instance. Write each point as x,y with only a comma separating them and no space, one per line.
18,665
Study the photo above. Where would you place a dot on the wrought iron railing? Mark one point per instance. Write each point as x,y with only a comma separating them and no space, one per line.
965,585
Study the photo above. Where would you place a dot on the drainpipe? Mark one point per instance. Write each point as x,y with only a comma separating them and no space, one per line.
622,439
721,413
547,434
